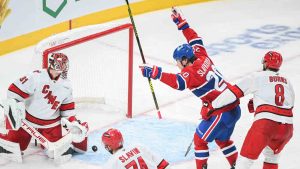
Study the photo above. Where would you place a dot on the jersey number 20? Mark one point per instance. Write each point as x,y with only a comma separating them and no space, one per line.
141,163
219,82
279,94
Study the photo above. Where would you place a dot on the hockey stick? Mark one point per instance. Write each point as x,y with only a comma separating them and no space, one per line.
59,147
143,58
189,148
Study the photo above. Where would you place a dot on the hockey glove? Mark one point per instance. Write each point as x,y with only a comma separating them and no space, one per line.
251,106
78,129
206,110
153,72
177,19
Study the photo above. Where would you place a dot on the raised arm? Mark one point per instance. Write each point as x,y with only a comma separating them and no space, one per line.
191,36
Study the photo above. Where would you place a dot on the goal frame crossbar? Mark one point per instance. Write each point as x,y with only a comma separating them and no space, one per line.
95,36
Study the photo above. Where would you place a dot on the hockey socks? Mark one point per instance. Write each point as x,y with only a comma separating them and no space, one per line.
270,166
201,152
229,150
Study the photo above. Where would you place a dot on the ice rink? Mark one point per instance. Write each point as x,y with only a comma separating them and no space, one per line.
236,33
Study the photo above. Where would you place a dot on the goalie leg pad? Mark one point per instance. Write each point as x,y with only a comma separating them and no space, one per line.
21,137
10,150
60,151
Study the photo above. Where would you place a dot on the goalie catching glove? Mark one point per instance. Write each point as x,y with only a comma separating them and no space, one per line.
11,114
153,72
77,129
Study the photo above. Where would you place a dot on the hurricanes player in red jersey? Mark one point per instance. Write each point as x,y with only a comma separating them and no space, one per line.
272,104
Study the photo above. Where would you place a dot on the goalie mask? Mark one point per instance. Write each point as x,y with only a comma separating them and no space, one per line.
59,62
112,140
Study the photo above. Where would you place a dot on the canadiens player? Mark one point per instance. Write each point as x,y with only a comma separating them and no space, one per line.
136,157
272,104
199,74
47,96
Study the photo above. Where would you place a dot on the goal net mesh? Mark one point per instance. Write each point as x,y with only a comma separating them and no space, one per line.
100,67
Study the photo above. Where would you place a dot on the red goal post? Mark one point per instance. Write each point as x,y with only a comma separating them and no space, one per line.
67,40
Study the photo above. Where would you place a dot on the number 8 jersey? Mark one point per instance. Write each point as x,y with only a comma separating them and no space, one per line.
273,96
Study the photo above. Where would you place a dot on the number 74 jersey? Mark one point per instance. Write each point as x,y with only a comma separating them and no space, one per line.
136,157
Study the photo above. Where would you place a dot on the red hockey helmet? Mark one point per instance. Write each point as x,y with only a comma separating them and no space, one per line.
59,62
112,139
272,60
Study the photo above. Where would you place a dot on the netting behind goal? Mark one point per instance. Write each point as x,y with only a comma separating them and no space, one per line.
101,59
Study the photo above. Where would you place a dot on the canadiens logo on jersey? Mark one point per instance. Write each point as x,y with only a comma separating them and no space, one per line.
51,98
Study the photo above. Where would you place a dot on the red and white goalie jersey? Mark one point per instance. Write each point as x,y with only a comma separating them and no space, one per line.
135,158
273,96
46,99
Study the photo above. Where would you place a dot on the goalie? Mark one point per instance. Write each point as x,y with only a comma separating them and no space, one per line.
47,97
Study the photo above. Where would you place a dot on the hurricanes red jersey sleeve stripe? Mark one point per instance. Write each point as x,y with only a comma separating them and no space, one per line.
69,106
13,88
274,110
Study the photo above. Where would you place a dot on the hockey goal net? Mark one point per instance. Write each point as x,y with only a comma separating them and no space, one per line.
101,59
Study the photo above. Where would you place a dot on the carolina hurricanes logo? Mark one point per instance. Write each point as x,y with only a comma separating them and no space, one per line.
51,98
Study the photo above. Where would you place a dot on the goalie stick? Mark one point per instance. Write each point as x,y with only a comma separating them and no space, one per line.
59,147
143,58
